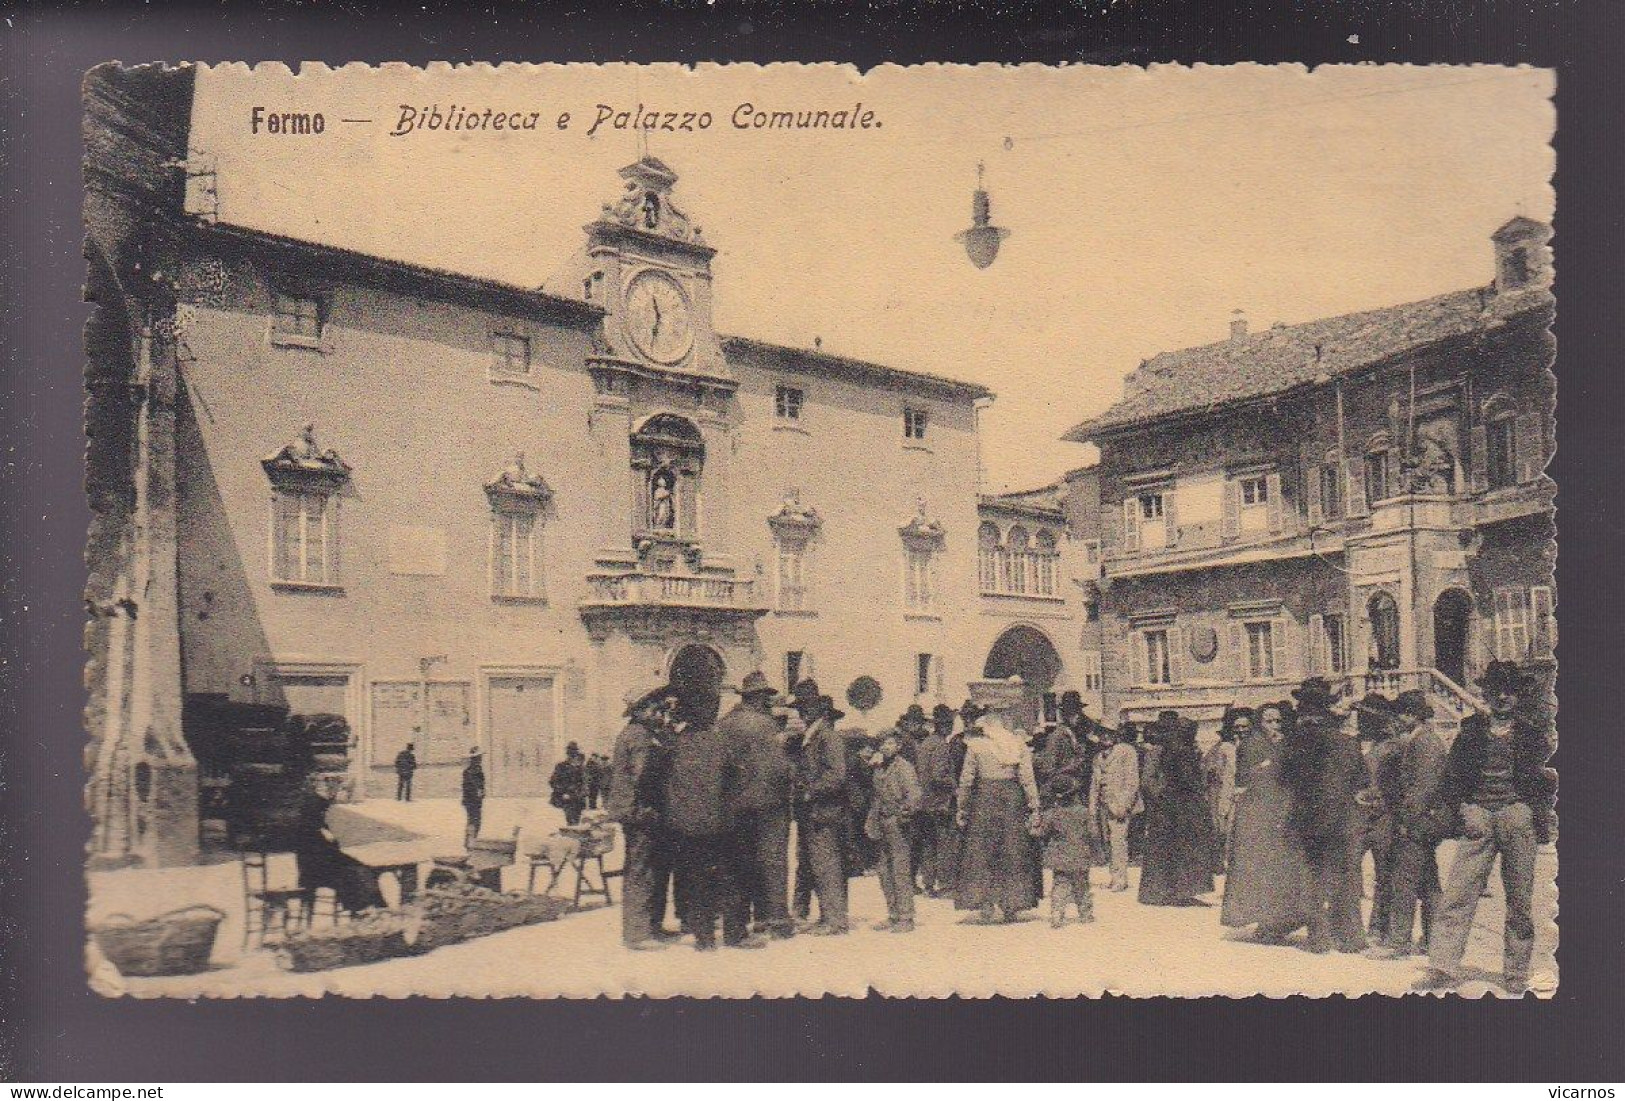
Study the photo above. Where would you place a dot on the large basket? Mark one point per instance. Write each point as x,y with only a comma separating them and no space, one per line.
374,936
448,917
176,943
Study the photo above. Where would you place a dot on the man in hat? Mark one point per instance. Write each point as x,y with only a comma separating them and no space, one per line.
821,812
637,800
933,763
569,784
406,765
912,727
705,772
473,794
1496,774
1379,727
762,804
1324,771
1414,870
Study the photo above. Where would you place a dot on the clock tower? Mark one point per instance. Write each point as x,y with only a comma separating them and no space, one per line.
647,264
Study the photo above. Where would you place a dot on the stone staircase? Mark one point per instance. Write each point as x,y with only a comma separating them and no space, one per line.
1451,702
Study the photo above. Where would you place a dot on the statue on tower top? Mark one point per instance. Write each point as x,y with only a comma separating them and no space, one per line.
646,202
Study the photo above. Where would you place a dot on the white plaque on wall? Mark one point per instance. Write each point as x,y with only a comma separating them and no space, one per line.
418,551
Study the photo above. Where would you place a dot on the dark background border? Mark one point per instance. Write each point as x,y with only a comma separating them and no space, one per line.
52,1029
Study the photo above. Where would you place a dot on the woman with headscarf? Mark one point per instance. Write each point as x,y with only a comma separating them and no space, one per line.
1267,868
1219,770
1178,863
997,798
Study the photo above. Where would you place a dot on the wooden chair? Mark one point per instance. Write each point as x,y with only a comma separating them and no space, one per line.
267,908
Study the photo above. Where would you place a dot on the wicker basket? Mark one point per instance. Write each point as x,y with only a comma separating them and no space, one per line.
179,942
382,935
448,918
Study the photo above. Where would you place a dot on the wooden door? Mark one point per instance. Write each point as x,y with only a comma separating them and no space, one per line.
521,723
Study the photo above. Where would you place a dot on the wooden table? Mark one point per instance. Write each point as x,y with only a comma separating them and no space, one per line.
398,858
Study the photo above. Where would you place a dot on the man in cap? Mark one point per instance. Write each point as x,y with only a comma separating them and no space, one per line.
821,812
637,800
1414,870
1496,774
473,794
1323,769
762,803
1114,799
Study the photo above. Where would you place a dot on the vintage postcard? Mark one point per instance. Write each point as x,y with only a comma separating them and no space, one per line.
572,530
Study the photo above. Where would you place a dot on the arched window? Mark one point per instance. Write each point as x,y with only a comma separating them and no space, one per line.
1500,442
1045,559
1379,468
987,557
1016,564
668,455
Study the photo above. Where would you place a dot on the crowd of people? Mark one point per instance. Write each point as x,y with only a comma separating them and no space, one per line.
966,804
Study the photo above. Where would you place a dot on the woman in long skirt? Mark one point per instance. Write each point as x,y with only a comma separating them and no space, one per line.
1267,867
1178,863
997,797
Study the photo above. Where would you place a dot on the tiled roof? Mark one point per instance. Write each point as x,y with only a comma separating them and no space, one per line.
1287,356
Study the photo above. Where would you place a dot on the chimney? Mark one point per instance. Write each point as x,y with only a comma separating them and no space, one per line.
1238,325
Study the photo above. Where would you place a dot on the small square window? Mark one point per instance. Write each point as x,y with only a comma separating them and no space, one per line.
787,403
914,424
510,355
1254,492
297,315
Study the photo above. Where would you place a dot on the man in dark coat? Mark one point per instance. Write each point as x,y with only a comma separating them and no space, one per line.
1323,769
705,774
473,794
822,813
406,764
933,764
761,805
569,784
1496,775
637,800
598,771
1413,868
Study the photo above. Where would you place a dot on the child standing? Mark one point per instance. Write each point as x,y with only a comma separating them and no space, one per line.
889,824
1064,829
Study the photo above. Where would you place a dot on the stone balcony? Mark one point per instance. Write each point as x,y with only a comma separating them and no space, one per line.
645,602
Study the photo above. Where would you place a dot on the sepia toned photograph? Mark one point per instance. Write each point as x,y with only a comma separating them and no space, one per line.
732,530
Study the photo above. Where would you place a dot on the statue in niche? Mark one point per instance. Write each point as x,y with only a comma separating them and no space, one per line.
663,500
1431,467
651,210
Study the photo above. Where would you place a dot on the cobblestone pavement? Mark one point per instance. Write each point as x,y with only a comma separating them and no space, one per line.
1130,949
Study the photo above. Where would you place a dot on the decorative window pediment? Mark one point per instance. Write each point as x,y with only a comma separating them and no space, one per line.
517,488
793,521
302,462
921,531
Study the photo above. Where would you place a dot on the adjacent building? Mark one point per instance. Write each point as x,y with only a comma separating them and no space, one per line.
1360,497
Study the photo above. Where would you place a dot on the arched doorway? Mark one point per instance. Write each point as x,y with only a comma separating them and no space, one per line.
1026,652
1384,616
1452,618
696,681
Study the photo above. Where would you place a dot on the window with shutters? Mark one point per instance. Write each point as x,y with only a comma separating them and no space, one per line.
1501,450
1148,513
1093,680
516,560
303,536
792,575
1155,647
1255,503
919,580
1524,627
1330,476
1378,475
1259,663
1334,643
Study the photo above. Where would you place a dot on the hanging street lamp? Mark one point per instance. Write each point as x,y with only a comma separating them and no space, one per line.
982,239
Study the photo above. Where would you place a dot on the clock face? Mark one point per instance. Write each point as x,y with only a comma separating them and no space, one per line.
658,317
